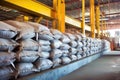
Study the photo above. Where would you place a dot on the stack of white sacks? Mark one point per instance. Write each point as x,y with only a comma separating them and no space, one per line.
27,51
7,46
43,37
106,45
73,45
41,48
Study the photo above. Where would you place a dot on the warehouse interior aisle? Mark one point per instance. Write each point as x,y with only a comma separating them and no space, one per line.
106,67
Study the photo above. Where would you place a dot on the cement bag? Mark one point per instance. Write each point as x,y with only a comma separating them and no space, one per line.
7,31
43,64
84,54
64,47
84,43
65,39
45,35
56,62
44,54
57,34
28,59
6,58
84,48
26,30
78,38
88,44
44,42
84,39
24,69
55,53
72,51
71,36
7,45
73,57
29,45
73,44
56,44
78,57
65,53
79,52
38,27
45,48
6,73
65,60
27,56
88,39
80,44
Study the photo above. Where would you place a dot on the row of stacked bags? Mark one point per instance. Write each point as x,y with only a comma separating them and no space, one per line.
29,47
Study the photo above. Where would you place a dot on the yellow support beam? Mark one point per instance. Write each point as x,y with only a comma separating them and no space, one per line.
102,26
92,18
39,19
98,20
83,17
36,8
59,15
62,16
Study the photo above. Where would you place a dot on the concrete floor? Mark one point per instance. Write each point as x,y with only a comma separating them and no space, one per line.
106,67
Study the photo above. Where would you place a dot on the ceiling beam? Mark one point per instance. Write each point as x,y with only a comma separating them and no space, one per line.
101,4
101,15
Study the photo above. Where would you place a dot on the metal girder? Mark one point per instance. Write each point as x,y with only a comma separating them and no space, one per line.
38,9
92,18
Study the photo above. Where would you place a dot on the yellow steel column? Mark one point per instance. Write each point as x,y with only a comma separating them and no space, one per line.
54,14
98,20
92,18
83,17
62,16
59,15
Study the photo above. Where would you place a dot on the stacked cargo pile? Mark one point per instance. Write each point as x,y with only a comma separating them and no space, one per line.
65,49
43,37
73,45
41,48
79,53
27,52
87,45
7,46
56,51
106,45
84,48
